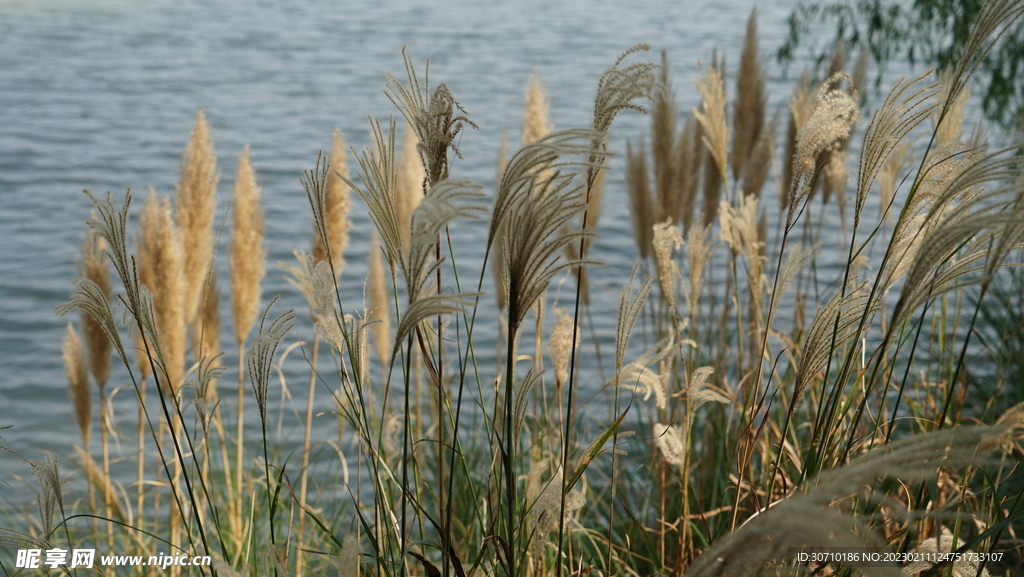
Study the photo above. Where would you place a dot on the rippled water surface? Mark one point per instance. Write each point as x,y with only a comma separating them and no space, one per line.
102,94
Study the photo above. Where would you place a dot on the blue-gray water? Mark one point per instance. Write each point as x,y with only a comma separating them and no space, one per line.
102,94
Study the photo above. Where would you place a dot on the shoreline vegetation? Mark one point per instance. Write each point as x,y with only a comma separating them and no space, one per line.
736,440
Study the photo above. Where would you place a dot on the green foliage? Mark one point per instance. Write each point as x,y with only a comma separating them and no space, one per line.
930,32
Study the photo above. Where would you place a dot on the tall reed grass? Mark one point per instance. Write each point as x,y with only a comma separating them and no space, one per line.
773,408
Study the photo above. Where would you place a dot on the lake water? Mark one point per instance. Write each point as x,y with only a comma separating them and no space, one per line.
102,94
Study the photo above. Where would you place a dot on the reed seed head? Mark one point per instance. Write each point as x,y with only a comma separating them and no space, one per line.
337,205
667,239
248,251
751,99
94,266
560,345
78,382
409,182
535,111
380,309
194,209
161,268
639,197
835,112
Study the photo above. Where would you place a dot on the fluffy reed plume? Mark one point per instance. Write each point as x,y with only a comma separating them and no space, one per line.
194,207
667,239
161,270
78,382
545,517
572,250
210,324
689,152
529,234
94,267
837,177
948,127
348,558
759,163
889,176
560,345
833,326
259,359
535,239
248,251
642,209
50,497
699,247
432,116
639,376
905,107
663,145
536,123
749,109
820,516
379,299
377,163
629,309
739,229
409,181
336,206
801,106
670,441
498,252
835,111
711,116
448,200
618,89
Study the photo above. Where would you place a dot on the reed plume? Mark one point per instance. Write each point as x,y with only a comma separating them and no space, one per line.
889,175
689,153
711,116
551,508
749,108
560,345
94,267
78,382
248,251
801,105
498,252
409,181
536,122
210,324
904,108
666,239
336,206
663,145
380,309
759,163
949,126
194,209
835,112
573,250
434,117
161,270
642,209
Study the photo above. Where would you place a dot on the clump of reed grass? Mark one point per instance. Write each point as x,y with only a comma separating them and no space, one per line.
162,271
755,434
78,382
195,205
